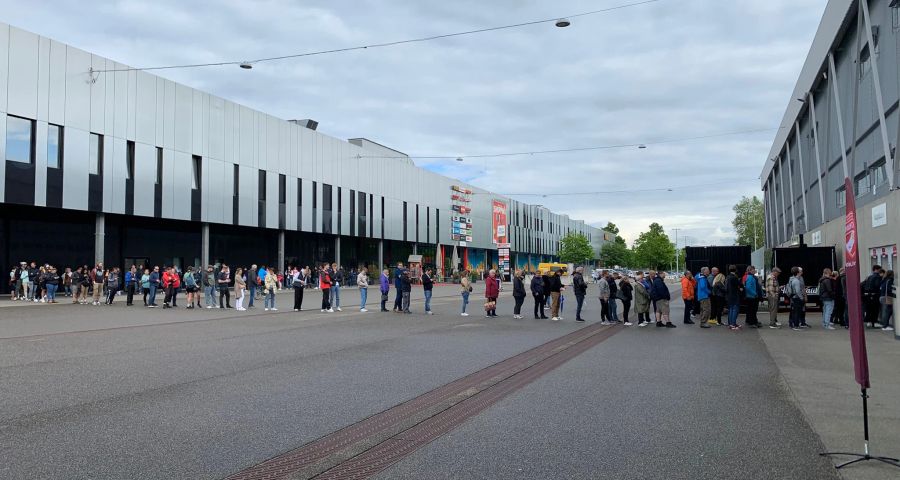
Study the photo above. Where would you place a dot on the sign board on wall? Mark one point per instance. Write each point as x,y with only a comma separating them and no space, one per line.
879,215
498,222
817,238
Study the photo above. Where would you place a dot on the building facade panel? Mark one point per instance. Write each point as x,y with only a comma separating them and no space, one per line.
23,59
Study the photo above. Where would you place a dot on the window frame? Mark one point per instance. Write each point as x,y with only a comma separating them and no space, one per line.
31,141
60,135
95,159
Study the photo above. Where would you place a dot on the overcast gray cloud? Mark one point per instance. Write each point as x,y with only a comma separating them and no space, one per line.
672,69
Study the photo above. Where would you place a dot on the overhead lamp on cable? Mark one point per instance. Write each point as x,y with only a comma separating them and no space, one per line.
459,159
642,146
563,23
246,65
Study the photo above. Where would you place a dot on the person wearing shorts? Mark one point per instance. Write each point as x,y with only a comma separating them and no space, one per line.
660,292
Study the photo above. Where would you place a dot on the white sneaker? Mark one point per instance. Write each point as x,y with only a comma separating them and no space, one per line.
330,310
887,329
339,309
643,324
296,310
464,314
829,327
363,310
628,324
267,309
605,323
430,312
555,319
323,310
209,306
273,309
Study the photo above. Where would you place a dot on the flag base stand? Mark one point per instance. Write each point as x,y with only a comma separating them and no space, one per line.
863,457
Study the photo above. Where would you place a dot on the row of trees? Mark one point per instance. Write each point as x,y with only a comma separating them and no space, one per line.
651,249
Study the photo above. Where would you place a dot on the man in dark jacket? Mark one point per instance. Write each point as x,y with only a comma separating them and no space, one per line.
579,288
826,294
733,296
871,289
659,293
555,292
406,290
252,279
545,281
613,294
398,285
428,288
537,291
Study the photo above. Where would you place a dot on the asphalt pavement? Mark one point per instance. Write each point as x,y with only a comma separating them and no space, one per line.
116,392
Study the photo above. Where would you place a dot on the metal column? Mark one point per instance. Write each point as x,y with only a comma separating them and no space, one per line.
204,246
840,115
783,205
815,130
99,238
802,180
337,250
879,100
281,250
380,255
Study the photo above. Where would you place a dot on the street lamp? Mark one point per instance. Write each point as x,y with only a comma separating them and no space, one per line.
563,23
246,65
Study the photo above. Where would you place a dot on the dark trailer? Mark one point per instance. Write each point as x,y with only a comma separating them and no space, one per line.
717,256
813,260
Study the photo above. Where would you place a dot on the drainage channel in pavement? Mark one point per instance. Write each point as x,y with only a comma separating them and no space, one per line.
372,445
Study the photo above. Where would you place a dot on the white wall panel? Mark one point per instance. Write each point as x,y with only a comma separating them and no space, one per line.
118,172
102,100
260,141
24,50
43,91
160,139
144,178
306,216
184,122
145,109
345,211
271,199
119,91
247,134
197,114
40,164
131,107
290,215
78,90
317,224
168,186
4,72
75,173
217,129
2,144
249,196
182,185
228,193
56,101
169,125
217,196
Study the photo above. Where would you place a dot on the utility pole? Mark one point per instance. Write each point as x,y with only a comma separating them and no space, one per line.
676,250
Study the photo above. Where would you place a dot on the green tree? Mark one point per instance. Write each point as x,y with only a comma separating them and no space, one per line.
749,222
615,253
654,249
612,228
575,248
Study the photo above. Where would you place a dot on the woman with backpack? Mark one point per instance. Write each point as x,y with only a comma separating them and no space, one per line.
626,295
190,286
271,285
112,284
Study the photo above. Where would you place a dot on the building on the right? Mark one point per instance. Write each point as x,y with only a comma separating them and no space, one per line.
841,121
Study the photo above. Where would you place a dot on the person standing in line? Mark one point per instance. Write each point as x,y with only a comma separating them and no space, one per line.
556,289
252,283
337,279
398,286
76,285
210,285
826,294
298,283
406,286
518,293
703,294
733,297
613,294
155,283
223,283
754,294
626,295
167,287
719,290
871,289
545,279
325,287
604,292
176,285
491,292
112,284
688,285
271,284
52,284
97,276
837,315
642,300
579,288
660,294
465,288
145,285
773,298
130,280
845,319
796,292
190,286
384,286
537,292
888,297
67,281
240,289
362,281
427,288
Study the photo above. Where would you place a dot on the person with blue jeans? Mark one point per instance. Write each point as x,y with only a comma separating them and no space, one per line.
52,283
154,285
465,285
385,288
362,281
210,285
826,294
271,283
337,277
398,285
733,297
427,286
613,294
252,279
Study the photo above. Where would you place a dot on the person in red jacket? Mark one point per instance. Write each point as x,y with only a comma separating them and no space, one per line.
325,287
491,292
167,287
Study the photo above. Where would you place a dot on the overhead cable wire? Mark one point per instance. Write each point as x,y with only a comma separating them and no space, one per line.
382,44
609,192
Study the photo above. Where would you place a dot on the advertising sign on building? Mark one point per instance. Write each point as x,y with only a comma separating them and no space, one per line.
879,215
460,226
503,255
498,222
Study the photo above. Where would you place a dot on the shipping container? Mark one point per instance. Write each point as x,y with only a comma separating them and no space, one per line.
718,256
813,260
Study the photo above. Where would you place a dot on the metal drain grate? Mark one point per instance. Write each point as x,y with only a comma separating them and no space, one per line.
373,444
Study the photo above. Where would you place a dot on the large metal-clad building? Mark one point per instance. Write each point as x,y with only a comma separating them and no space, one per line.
841,121
102,162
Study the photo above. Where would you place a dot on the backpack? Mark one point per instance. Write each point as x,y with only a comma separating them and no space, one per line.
189,280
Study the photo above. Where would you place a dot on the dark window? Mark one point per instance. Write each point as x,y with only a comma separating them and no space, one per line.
96,155
382,217
315,211
299,193
236,186
282,189
327,204
19,139
196,171
54,146
315,200
353,221
129,160
159,165
361,211
261,185
340,223
404,223
371,215
417,223
437,225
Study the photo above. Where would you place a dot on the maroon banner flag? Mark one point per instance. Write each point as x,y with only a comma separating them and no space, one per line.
854,295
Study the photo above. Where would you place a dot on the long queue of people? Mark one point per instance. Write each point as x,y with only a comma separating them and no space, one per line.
716,298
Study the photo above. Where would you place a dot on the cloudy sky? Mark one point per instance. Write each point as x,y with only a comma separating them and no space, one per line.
663,71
